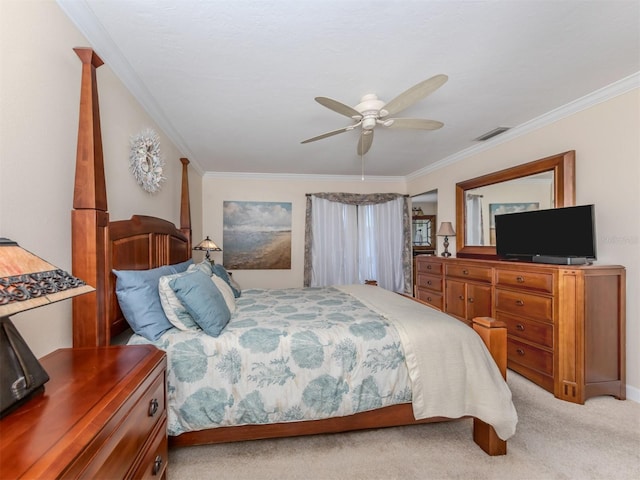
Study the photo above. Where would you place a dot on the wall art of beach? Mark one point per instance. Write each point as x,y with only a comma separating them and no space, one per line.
256,235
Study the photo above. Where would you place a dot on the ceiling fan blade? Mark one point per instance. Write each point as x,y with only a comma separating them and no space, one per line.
329,134
416,123
364,144
339,107
414,94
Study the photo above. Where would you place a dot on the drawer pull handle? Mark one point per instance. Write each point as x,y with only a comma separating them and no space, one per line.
428,282
520,303
461,297
465,272
157,465
470,299
520,279
520,351
153,407
428,299
428,267
520,327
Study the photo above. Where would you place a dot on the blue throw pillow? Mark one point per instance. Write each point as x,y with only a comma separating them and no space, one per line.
137,292
220,271
203,301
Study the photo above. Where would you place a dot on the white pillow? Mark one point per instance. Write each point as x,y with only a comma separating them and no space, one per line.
172,306
226,291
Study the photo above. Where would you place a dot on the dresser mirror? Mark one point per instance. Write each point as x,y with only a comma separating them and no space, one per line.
545,183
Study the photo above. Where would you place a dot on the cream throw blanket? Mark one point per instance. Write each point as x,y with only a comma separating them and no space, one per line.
451,370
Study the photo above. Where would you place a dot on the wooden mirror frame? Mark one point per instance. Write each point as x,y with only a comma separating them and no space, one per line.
563,167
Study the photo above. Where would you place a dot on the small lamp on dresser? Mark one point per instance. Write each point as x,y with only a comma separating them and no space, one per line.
446,230
26,282
208,245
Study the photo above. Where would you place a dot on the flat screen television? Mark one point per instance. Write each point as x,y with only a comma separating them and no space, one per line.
563,235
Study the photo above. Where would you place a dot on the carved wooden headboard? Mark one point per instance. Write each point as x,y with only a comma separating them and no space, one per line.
99,245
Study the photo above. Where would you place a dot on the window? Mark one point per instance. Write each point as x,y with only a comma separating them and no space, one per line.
357,241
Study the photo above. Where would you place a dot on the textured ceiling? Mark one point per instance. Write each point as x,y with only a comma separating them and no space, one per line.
232,83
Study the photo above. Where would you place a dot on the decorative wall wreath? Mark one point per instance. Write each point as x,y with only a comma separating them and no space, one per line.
145,160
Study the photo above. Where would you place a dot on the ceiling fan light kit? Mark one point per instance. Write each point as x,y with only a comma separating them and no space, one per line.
371,112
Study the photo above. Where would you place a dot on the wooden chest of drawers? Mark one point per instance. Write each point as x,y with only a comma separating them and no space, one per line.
429,281
565,324
102,415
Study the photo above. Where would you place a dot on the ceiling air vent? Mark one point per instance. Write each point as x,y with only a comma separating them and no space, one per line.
491,134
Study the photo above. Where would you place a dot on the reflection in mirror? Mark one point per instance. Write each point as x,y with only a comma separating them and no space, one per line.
533,192
423,222
552,178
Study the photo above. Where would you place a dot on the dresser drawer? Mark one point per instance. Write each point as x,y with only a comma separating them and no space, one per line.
532,330
530,356
541,282
127,441
154,461
429,281
428,265
470,272
524,304
433,299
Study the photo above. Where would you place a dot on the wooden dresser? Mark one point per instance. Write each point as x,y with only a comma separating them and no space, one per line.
102,415
565,324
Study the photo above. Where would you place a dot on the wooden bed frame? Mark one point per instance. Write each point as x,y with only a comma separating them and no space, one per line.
100,245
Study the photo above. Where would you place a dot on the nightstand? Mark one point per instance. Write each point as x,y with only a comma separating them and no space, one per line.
102,415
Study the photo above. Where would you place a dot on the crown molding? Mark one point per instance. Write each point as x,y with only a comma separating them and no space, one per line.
304,177
602,95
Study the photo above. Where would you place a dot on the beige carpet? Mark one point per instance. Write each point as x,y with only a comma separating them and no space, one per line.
554,440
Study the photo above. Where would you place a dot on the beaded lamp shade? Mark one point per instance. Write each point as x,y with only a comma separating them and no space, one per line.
208,246
27,281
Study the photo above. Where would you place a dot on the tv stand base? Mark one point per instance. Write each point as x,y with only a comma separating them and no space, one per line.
560,260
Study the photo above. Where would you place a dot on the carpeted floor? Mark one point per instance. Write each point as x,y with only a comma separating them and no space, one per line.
554,440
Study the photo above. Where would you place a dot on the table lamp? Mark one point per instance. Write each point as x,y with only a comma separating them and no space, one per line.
208,246
446,230
26,282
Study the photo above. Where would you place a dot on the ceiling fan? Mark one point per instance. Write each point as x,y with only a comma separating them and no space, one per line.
372,111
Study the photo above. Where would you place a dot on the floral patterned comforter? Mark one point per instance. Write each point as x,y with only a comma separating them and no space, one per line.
286,355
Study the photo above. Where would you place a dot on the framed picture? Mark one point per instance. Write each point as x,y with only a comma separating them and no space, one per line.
502,208
256,235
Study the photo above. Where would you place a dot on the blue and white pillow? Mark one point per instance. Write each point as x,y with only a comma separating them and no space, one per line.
172,306
226,292
204,267
221,272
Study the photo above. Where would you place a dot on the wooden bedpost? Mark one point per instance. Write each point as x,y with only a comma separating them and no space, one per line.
185,209
90,218
494,334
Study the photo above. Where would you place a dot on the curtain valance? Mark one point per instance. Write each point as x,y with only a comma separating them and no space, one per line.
357,198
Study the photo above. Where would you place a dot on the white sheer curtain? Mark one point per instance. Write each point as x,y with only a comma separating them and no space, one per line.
381,241
354,243
474,224
334,251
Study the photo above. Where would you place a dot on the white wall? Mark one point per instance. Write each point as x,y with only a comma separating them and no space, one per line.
606,138
39,98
